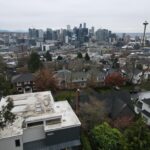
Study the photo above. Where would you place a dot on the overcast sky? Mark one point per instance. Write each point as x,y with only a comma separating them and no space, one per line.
116,15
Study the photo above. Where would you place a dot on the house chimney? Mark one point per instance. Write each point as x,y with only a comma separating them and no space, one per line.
77,107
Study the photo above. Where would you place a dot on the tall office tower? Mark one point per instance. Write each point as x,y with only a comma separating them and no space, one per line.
56,35
76,32
92,31
102,35
40,34
33,33
49,34
66,39
68,28
63,34
80,26
123,36
30,32
84,25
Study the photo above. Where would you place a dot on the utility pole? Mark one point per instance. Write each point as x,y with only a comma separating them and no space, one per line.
77,105
145,24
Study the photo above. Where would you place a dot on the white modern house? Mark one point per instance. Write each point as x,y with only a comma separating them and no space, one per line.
139,76
41,124
143,106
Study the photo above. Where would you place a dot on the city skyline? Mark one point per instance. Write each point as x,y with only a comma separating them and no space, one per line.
115,15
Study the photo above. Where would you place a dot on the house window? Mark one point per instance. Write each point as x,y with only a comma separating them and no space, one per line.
82,84
17,143
27,88
35,124
53,121
27,82
19,84
19,89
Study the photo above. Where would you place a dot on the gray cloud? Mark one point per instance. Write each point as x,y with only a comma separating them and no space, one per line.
116,15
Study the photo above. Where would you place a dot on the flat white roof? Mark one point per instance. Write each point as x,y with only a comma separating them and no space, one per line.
39,106
143,95
14,129
69,118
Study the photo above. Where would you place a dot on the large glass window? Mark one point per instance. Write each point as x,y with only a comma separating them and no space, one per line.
35,124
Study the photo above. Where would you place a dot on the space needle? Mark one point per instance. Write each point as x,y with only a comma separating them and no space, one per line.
145,25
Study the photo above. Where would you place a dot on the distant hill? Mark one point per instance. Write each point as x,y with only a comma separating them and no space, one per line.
18,31
4,31
133,34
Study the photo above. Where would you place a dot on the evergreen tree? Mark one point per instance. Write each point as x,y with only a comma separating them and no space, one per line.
6,116
3,66
79,55
34,62
106,138
87,57
48,56
59,58
5,86
138,136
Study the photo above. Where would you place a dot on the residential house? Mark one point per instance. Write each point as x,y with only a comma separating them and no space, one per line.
71,80
143,106
140,76
96,78
79,80
64,78
122,62
24,83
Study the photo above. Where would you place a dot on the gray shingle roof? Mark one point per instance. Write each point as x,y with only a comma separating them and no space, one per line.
64,74
117,103
22,78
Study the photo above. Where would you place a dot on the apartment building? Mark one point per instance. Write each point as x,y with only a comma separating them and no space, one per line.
40,124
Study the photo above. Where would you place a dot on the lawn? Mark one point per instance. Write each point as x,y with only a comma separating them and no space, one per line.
145,86
68,95
85,142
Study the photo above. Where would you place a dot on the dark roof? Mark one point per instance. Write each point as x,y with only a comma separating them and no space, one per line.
146,113
64,74
22,78
139,104
146,100
84,97
117,103
125,112
137,71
